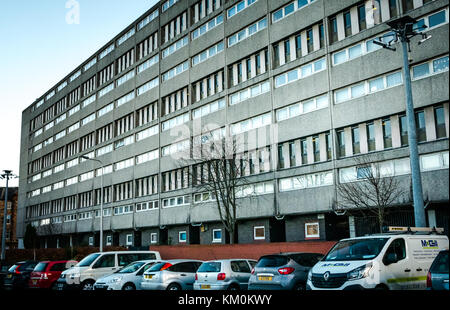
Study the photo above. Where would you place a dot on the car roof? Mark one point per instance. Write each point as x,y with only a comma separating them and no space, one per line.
125,252
180,260
229,259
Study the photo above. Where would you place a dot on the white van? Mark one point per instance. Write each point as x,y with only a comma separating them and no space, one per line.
396,260
97,265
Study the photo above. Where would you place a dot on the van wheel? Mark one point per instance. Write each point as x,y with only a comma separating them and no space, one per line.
382,287
87,285
129,287
174,287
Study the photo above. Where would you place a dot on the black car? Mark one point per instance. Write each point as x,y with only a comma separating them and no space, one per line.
18,275
3,271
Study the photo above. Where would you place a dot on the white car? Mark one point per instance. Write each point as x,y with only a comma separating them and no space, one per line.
128,278
383,261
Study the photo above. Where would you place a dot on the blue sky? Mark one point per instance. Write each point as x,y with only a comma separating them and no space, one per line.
38,47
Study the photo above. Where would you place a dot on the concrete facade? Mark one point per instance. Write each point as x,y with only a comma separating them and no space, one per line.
51,170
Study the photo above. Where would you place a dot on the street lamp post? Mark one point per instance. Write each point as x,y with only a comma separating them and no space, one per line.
403,29
7,174
101,199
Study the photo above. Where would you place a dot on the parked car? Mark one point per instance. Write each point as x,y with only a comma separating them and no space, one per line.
284,271
128,278
96,265
46,273
437,278
18,275
177,274
225,274
3,271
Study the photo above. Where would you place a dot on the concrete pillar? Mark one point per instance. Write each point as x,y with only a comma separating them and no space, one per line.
417,3
348,141
340,26
354,20
363,146
446,116
310,149
298,153
304,43
385,13
379,142
253,65
432,218
282,53
430,124
292,47
316,40
395,130
287,163
370,20
323,147
351,225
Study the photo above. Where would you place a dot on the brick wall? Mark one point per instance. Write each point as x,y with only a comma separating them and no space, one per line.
251,251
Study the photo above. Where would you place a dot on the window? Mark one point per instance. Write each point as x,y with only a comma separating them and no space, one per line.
182,236
403,130
259,233
434,66
329,146
300,72
239,7
439,118
280,157
397,248
387,135
106,261
316,148
312,230
247,32
292,154
355,140
153,238
207,27
341,142
217,235
347,24
362,17
130,239
333,30
304,151
420,126
370,129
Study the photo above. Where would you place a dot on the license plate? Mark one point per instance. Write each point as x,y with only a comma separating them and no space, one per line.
34,282
148,276
205,286
265,278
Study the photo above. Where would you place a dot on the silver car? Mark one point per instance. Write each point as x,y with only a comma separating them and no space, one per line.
127,278
225,274
177,274
285,271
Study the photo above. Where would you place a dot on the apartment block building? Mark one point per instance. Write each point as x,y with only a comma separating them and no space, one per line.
11,216
300,81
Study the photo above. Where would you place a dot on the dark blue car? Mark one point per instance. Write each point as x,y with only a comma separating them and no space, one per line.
437,278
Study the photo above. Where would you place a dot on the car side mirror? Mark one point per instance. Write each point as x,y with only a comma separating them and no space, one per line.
391,258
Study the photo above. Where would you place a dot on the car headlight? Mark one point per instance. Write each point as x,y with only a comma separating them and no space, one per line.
310,275
360,272
115,280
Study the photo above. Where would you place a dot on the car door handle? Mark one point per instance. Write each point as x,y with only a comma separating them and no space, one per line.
419,269
183,275
407,270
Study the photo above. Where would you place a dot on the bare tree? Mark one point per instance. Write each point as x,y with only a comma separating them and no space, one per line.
374,188
217,168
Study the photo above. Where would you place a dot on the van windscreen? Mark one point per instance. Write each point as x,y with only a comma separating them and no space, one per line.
356,249
87,261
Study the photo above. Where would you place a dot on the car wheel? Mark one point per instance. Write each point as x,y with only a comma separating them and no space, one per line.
129,287
174,287
87,285
300,287
233,287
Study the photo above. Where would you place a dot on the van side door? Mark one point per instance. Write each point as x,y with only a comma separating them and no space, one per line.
105,265
397,273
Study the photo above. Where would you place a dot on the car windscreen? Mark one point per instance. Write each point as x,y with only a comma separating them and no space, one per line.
272,261
133,267
87,261
440,265
40,267
210,267
356,249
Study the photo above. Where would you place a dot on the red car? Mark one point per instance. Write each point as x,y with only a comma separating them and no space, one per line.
46,273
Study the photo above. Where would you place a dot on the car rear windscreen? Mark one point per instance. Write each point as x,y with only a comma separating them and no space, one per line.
40,267
440,265
210,267
272,261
